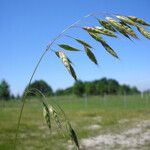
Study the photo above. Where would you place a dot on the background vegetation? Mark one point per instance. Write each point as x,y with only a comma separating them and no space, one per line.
101,87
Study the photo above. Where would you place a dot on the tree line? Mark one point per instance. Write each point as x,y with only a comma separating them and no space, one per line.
102,87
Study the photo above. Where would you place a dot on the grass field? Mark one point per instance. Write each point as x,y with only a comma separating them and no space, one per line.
110,122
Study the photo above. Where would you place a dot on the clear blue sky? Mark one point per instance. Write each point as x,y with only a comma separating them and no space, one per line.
26,26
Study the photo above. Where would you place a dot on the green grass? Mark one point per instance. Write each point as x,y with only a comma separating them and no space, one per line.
82,113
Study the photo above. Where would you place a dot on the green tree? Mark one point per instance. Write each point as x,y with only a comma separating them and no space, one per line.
134,90
102,86
79,88
59,92
113,86
4,90
123,89
40,85
90,88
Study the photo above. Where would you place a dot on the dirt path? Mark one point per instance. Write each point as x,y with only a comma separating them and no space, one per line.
136,138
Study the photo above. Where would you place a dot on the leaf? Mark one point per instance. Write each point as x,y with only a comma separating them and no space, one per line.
66,63
118,26
106,25
105,45
68,47
73,135
46,113
143,31
138,20
83,43
125,20
90,55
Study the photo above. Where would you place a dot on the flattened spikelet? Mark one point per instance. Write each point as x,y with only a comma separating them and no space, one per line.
68,47
138,20
73,135
66,63
56,118
105,45
143,31
99,30
125,20
105,31
90,55
118,26
46,113
129,30
106,25
83,43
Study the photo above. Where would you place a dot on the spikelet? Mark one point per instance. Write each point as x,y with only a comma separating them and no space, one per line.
73,135
90,55
46,113
105,31
55,116
92,29
66,63
106,25
68,47
83,43
143,31
126,20
99,30
138,20
129,30
118,26
104,44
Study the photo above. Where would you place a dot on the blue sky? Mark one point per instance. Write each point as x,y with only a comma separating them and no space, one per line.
28,25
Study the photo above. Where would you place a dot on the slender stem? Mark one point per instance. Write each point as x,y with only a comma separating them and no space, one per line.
36,67
23,99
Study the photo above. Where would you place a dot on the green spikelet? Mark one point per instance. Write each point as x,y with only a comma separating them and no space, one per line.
56,118
90,55
129,30
73,135
68,47
138,20
126,20
66,63
99,30
105,31
47,116
92,29
118,26
106,25
83,43
143,31
105,45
